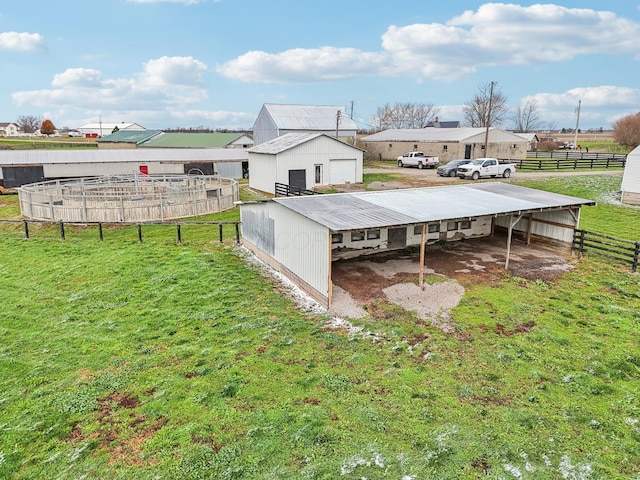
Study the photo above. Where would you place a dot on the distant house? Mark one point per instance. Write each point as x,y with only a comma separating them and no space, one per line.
9,130
104,128
631,179
532,140
275,120
445,143
446,124
303,160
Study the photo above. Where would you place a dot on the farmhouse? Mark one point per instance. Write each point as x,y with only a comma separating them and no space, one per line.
20,167
631,179
303,161
275,120
302,236
445,143
9,129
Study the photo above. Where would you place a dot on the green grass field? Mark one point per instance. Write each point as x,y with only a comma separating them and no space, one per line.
149,360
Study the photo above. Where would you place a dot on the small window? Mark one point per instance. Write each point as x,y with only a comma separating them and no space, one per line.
415,147
373,234
417,229
357,236
391,145
465,225
336,238
481,147
451,226
434,228
318,174
444,147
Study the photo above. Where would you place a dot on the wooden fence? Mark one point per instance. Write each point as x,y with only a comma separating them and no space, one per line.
625,251
28,233
572,163
284,190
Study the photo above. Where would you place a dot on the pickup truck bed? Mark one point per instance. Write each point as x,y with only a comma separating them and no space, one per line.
486,167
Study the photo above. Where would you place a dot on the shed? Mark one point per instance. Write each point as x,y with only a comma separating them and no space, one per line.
20,167
445,143
303,161
275,120
106,128
301,236
631,178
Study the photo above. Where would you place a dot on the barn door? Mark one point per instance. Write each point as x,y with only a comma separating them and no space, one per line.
298,179
397,238
467,152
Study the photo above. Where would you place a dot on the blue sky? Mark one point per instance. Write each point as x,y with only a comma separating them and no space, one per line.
214,63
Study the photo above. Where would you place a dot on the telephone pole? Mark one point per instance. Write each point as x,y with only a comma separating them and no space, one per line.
486,133
575,138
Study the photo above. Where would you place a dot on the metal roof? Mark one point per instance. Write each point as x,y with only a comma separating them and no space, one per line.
309,117
129,136
386,208
109,155
290,140
192,140
432,134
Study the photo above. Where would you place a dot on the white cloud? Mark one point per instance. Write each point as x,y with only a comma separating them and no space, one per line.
21,42
496,34
169,81
304,65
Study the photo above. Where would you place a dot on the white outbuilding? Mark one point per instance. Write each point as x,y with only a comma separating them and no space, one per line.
275,120
303,161
631,179
301,236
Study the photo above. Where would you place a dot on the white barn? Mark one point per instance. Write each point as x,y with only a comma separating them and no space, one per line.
631,179
275,120
301,236
304,161
101,129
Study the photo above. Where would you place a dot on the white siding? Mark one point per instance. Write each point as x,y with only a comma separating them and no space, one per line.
342,171
551,229
263,172
264,129
631,179
299,246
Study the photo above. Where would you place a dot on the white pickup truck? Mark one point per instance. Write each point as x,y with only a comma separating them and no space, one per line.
486,167
417,159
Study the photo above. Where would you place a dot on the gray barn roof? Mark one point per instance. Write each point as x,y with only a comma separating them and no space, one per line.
380,209
308,117
40,157
439,135
290,140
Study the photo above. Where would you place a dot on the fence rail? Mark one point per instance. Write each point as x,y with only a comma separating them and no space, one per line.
100,227
625,251
572,163
284,190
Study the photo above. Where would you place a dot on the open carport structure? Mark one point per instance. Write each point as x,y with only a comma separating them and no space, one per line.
301,236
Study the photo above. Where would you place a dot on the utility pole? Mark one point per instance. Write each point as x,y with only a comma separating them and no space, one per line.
488,123
575,138
351,114
338,122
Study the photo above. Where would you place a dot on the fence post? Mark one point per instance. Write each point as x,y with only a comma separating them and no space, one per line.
220,229
636,255
237,232
100,230
26,230
179,233
140,233
62,230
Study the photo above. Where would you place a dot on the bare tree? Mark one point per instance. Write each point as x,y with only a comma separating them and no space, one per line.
525,117
626,130
29,123
404,115
488,108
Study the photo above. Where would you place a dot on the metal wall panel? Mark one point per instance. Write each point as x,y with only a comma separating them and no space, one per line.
631,178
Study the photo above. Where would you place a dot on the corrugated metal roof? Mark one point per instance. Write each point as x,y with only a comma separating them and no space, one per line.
192,140
129,136
309,117
41,157
285,142
438,135
364,210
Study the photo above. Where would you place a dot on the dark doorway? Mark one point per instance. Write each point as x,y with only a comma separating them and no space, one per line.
298,178
397,238
199,168
18,176
467,152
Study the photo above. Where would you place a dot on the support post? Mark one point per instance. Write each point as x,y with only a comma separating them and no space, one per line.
421,272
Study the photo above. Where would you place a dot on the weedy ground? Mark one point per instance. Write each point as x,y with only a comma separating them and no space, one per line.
121,359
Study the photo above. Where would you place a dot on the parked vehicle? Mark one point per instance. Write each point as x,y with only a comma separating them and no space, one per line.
451,169
76,133
486,167
417,159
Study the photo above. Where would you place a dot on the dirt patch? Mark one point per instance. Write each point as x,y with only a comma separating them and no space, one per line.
362,283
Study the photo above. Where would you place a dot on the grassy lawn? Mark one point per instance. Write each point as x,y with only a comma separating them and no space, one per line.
148,360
